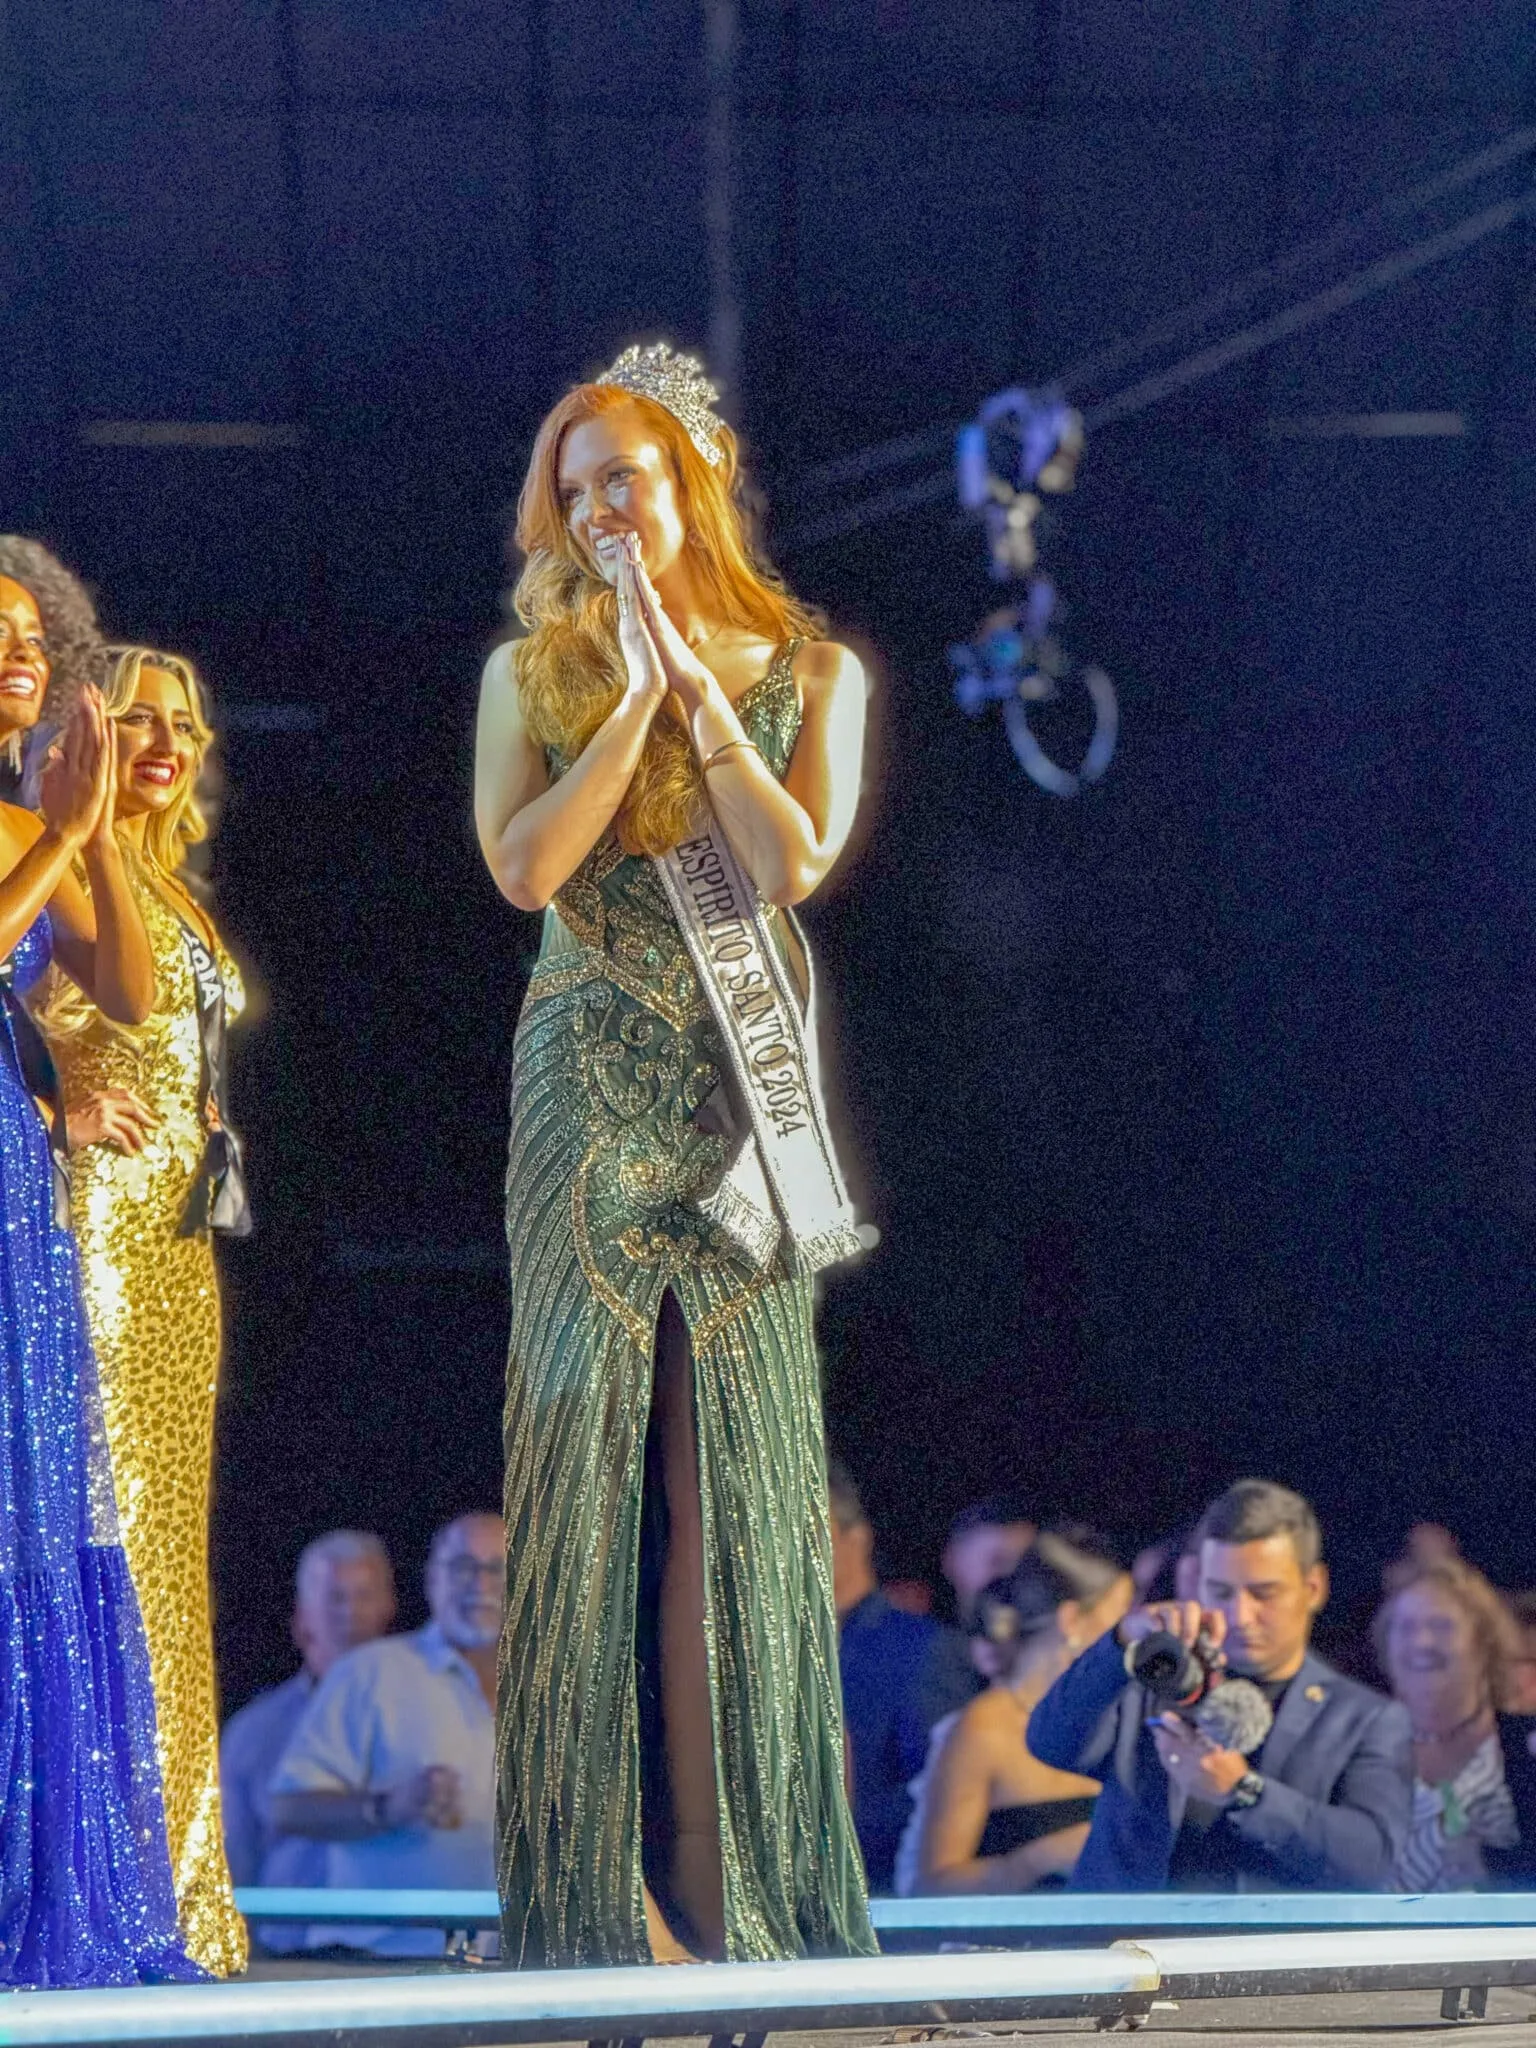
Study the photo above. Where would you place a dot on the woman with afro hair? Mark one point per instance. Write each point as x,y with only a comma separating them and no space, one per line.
85,1876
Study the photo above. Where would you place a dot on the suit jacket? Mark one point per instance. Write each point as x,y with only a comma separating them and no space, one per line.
1337,1767
1515,1869
901,1673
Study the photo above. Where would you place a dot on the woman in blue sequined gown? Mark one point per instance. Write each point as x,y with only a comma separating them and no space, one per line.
85,1879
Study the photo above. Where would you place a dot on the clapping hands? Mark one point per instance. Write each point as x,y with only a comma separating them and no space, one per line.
79,780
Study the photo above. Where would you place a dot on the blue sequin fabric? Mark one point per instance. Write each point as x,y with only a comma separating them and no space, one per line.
85,1877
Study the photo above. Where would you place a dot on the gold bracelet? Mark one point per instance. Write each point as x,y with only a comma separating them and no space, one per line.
710,759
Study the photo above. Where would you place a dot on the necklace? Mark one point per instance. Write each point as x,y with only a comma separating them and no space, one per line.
1426,1736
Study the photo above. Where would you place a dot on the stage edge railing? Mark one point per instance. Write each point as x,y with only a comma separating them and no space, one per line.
447,2009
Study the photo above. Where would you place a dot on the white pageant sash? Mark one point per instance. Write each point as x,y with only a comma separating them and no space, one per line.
772,1057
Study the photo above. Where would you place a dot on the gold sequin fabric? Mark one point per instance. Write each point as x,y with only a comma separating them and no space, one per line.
153,1301
616,1054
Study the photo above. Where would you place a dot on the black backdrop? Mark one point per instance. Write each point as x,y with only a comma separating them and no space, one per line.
1196,1113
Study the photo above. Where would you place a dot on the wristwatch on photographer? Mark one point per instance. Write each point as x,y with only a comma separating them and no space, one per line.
1247,1791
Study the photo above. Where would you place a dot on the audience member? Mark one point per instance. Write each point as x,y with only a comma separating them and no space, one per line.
1522,1682
912,1596
344,1596
1323,1803
392,1767
985,1542
373,1765
901,1673
1450,1648
987,1816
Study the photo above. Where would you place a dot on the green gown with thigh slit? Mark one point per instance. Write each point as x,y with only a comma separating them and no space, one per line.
616,1052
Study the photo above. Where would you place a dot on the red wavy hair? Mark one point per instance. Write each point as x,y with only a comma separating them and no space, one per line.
570,670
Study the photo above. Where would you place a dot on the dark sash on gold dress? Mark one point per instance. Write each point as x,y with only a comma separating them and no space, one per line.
146,1257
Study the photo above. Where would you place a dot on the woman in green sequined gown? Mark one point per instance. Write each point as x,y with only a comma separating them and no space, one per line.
670,1743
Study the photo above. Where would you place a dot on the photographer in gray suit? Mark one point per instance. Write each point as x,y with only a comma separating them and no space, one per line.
1297,1779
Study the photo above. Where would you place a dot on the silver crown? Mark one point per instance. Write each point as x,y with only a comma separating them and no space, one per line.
677,382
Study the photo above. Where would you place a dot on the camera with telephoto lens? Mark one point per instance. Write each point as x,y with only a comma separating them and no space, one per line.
1192,1681
1177,1674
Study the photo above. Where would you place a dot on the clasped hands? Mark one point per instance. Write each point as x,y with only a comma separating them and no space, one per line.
659,662
434,1798
1199,1767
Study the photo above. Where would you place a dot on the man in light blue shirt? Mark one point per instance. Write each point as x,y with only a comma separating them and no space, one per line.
345,1596
392,1768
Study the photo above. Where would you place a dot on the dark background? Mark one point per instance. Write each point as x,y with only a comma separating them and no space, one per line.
1196,1113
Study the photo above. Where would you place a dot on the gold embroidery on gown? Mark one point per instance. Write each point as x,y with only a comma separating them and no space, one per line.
153,1301
615,1055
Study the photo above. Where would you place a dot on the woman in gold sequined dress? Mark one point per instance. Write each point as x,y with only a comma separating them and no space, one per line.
670,1752
150,1169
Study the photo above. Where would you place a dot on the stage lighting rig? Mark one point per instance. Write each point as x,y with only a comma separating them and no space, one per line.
1022,446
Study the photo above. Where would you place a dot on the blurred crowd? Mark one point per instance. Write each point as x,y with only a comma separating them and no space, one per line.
1074,1724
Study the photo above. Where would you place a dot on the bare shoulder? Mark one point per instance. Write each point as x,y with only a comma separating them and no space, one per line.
827,665
974,1733
832,684
972,1740
500,671
989,1711
19,829
499,720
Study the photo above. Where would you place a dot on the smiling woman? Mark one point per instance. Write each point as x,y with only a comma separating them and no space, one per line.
156,1170
1448,1645
85,1883
665,762
621,470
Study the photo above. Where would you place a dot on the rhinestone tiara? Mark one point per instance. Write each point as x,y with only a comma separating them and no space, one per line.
677,382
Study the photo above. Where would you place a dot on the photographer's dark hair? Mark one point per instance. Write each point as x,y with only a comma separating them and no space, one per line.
1253,1510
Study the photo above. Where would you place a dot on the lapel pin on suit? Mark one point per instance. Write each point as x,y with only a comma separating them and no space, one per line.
1316,1694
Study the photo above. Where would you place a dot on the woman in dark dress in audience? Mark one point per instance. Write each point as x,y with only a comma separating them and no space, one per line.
987,1816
